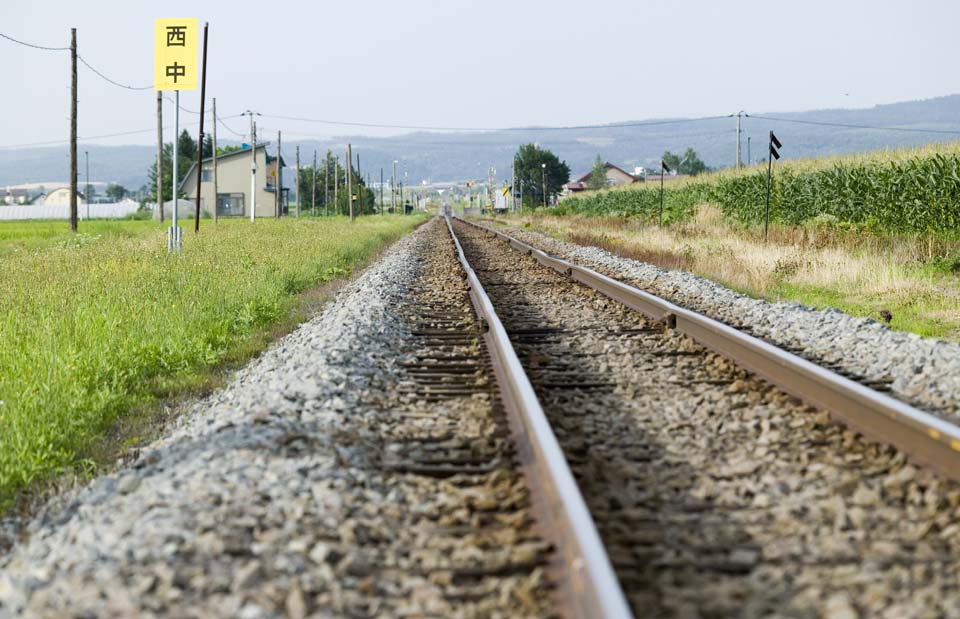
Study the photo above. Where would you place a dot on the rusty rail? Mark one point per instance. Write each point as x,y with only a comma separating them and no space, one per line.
927,439
589,587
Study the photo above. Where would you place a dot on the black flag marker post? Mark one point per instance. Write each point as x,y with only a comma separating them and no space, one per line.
774,154
663,167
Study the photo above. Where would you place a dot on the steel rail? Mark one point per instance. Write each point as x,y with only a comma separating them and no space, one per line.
589,585
925,438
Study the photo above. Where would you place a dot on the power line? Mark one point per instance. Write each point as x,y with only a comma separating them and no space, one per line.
227,127
54,49
436,128
850,126
182,109
114,82
96,137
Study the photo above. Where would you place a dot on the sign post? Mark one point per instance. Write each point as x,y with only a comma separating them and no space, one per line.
175,68
663,168
774,154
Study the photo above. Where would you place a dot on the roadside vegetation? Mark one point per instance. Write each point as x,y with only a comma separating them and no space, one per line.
874,234
95,324
911,281
902,191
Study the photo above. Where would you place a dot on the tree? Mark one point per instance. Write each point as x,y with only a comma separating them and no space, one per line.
690,163
598,175
116,192
531,165
186,155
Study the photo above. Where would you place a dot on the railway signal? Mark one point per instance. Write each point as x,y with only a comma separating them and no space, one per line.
663,168
773,154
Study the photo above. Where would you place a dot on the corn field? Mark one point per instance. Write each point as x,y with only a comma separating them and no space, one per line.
920,193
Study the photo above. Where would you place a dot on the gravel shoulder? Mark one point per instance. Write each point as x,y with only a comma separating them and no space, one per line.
924,372
272,497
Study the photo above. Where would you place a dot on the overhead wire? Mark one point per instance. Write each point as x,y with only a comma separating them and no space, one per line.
33,45
852,126
114,82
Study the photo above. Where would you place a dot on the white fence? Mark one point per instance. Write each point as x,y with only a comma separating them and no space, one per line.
115,210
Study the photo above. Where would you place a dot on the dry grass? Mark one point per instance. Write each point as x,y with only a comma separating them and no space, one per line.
858,273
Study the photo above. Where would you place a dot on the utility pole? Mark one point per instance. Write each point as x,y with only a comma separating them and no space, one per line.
216,196
326,183
336,183
203,97
86,195
350,179
278,185
393,188
298,180
543,170
160,154
748,150
738,138
513,185
253,163
313,201
381,190
73,130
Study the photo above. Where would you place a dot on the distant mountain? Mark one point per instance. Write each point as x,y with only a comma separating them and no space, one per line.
458,156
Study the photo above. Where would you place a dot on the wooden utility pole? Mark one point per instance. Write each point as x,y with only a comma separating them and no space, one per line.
313,200
159,154
350,179
203,97
216,198
278,186
298,180
73,130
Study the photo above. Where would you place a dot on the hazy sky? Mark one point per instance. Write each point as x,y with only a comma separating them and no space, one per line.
489,63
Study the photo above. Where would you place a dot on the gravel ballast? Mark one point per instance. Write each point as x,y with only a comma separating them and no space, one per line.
921,371
284,494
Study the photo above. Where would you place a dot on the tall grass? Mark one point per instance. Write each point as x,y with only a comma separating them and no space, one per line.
88,322
915,190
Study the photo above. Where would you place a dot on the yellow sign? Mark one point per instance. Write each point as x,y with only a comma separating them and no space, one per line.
506,190
175,65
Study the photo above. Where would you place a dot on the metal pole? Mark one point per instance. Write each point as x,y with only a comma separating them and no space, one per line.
86,157
174,228
73,129
203,97
543,169
738,141
253,168
521,196
349,173
313,200
216,197
393,188
278,185
381,190
326,183
298,180
160,154
766,214
336,183
661,194
749,161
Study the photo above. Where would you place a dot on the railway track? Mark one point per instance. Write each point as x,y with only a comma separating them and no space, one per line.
717,493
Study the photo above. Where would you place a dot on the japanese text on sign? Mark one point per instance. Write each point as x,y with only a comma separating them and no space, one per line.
175,54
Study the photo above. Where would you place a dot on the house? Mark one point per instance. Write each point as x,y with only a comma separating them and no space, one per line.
233,183
615,177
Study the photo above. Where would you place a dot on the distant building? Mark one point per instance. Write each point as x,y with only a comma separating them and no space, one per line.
233,183
14,195
61,197
615,177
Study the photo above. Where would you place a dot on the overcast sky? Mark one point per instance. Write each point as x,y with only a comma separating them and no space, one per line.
489,63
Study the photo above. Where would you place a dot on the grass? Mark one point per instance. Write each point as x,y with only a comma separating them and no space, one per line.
93,326
821,266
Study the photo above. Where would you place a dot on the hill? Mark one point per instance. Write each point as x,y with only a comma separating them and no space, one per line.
458,156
